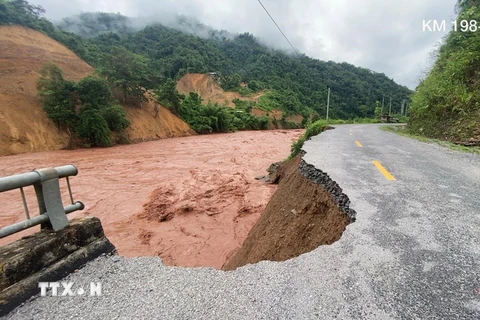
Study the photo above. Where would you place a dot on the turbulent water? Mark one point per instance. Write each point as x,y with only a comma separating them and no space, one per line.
190,201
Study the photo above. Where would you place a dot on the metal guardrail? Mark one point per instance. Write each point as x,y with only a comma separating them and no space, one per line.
46,182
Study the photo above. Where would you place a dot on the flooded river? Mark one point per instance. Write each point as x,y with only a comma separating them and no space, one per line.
190,201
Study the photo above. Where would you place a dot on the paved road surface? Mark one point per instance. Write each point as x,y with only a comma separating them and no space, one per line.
413,253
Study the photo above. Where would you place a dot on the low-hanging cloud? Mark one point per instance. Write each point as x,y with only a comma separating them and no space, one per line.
385,36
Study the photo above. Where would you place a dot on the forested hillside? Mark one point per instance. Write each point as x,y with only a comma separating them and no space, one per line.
155,53
446,104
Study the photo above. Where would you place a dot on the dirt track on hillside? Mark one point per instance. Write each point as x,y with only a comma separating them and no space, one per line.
191,201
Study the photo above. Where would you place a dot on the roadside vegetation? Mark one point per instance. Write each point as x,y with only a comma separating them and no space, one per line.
403,131
311,130
446,104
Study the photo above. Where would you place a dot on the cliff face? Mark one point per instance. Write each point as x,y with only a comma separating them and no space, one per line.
153,121
24,126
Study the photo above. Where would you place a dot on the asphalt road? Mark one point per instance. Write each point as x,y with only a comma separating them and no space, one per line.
413,253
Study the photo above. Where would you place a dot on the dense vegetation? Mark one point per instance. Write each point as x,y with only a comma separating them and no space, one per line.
208,118
446,104
85,109
134,61
299,82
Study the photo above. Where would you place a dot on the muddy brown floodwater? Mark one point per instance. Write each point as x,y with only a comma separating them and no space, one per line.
190,201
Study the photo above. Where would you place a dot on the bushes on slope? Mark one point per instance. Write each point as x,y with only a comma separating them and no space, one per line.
84,108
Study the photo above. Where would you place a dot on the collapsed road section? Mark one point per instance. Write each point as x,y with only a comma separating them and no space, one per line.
307,210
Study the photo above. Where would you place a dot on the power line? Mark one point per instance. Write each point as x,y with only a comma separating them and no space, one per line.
279,28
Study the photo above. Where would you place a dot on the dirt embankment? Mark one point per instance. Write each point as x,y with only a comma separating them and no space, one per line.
24,126
307,210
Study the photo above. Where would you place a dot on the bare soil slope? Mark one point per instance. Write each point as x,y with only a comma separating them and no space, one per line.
24,126
153,121
209,90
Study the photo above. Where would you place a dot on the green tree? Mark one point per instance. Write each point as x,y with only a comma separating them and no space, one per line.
94,91
126,71
57,96
168,95
115,117
364,111
191,105
255,85
20,12
93,128
61,99
378,109
231,82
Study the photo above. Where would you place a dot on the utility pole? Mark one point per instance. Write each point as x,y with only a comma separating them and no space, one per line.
328,102
383,102
390,110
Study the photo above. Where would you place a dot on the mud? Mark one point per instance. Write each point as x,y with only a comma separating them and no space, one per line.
191,201
307,210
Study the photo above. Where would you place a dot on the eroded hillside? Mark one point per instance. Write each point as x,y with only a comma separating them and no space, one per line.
24,126
206,86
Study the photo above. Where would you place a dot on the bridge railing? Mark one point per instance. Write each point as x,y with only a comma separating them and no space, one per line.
46,182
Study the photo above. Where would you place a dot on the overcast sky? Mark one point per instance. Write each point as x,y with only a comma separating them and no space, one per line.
383,35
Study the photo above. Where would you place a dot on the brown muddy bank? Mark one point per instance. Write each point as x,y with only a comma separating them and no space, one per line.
307,210
190,201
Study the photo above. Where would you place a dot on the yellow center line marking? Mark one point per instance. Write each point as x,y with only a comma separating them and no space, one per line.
358,144
383,170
